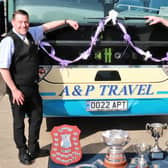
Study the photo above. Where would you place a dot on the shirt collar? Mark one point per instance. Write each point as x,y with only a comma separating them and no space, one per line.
22,37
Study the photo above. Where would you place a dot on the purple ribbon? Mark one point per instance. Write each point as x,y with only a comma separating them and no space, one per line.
84,55
147,54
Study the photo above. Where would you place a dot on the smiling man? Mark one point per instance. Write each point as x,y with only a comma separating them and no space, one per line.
19,69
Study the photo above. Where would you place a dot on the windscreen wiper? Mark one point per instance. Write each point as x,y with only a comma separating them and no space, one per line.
119,18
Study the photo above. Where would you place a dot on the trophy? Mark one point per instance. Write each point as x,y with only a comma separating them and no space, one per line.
142,150
116,139
65,149
156,130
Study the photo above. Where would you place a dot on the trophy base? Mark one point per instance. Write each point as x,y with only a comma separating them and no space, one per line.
134,163
142,167
109,164
156,155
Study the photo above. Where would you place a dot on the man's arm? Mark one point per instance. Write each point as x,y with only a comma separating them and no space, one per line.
54,24
18,96
155,20
7,49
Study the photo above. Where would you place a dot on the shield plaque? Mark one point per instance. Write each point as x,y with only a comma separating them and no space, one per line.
65,148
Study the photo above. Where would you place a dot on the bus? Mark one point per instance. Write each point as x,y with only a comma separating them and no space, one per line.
114,79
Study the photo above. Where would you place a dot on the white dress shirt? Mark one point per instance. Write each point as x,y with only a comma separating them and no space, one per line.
7,45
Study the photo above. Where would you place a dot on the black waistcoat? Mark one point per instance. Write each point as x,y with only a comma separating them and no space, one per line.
24,66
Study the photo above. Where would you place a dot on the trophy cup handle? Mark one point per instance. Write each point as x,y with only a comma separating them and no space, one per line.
127,140
148,126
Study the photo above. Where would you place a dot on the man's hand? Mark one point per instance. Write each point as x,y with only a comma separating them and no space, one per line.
153,20
18,97
54,24
73,24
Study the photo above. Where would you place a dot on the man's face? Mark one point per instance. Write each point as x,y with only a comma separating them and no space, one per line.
21,24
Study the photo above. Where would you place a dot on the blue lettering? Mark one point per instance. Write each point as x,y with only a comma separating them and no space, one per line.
113,90
103,89
132,89
64,91
148,92
77,91
142,90
123,91
145,90
126,90
89,89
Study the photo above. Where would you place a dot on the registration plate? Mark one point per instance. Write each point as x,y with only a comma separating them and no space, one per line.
107,105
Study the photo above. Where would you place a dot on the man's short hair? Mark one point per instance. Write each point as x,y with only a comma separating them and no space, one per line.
20,11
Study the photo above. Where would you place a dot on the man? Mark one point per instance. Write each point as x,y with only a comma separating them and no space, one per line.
19,69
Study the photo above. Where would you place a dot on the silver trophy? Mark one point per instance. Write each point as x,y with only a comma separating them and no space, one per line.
142,149
115,156
156,130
